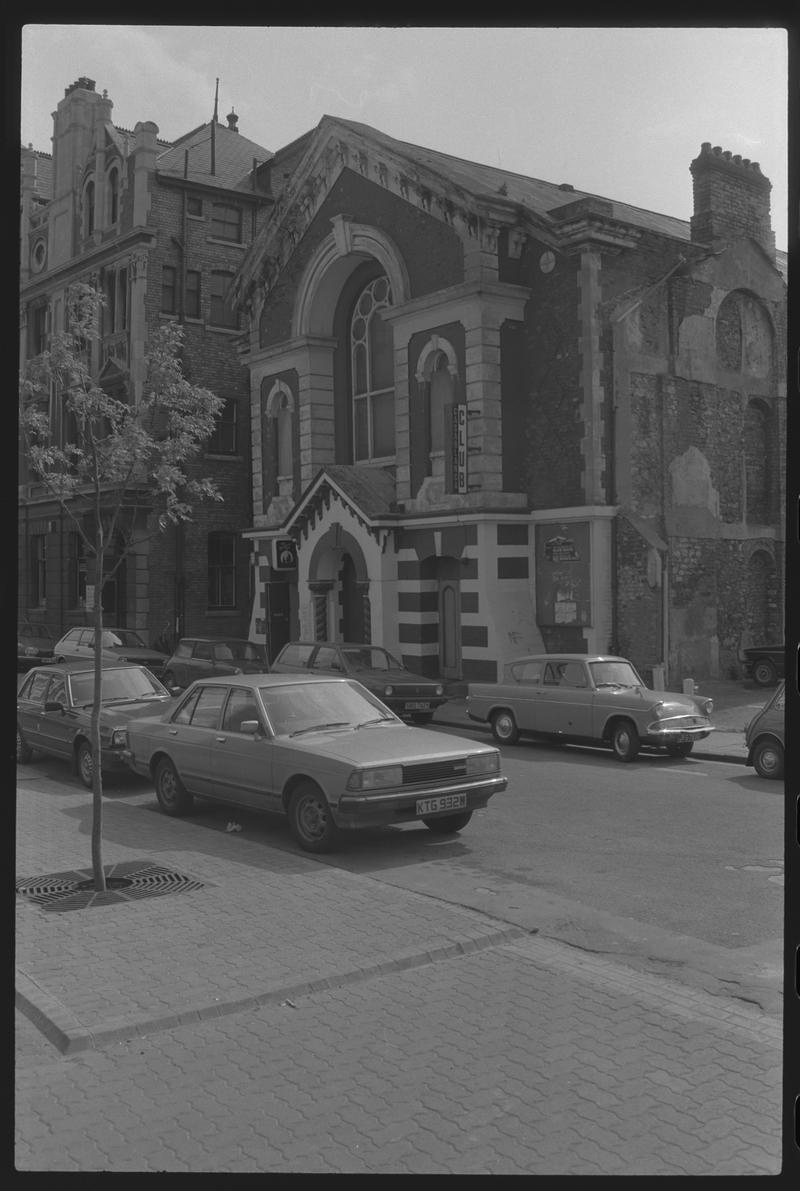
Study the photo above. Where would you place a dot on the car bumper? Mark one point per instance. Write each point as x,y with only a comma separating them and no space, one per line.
675,735
373,810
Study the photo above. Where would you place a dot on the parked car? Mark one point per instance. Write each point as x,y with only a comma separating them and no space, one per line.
34,646
54,710
407,694
213,657
322,750
765,664
594,699
119,645
765,736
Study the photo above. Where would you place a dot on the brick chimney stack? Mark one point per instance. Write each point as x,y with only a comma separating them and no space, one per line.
731,199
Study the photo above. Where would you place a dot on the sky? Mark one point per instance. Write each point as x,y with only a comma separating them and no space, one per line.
618,112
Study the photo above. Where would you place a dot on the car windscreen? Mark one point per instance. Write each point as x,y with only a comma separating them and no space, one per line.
304,706
133,683
123,637
370,658
614,674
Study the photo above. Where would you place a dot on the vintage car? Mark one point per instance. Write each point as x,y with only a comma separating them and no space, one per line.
54,711
118,645
765,664
409,695
323,751
590,699
213,657
765,736
34,646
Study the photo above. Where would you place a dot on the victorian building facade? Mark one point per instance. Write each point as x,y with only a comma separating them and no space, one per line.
160,228
492,414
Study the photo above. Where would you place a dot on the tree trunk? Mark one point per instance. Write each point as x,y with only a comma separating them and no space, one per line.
97,770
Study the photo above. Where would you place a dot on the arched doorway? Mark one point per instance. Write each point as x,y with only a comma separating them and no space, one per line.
449,628
339,585
351,595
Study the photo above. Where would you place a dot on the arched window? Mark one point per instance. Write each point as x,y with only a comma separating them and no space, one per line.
278,412
372,373
112,191
441,398
283,437
88,208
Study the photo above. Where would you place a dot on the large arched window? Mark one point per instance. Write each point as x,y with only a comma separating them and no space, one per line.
372,374
441,399
278,412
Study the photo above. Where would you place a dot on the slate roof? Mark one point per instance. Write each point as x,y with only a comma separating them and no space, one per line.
233,157
371,489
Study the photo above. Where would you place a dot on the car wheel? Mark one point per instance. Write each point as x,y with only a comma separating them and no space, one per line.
310,819
24,750
504,727
680,750
768,759
173,797
85,763
764,672
448,823
624,740
421,717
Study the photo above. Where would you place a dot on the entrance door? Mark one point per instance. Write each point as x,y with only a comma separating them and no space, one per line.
352,621
278,621
449,629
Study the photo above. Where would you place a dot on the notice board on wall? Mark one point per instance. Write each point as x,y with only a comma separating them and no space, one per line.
563,574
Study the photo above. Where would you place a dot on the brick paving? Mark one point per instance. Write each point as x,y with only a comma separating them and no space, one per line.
292,1017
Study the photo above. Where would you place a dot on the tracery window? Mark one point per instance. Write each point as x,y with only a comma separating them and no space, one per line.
372,373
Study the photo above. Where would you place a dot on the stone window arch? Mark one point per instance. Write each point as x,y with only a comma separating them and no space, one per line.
372,373
759,462
744,335
437,380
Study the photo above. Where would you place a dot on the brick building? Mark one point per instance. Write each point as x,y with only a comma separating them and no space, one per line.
161,228
492,414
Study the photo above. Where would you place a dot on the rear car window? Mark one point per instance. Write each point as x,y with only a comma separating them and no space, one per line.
184,649
295,654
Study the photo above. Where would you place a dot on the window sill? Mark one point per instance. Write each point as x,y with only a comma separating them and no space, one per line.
234,456
221,613
223,330
226,243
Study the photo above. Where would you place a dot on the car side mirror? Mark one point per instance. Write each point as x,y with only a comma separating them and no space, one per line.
250,727
52,706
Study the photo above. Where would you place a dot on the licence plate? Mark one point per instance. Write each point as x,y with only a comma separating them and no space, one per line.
443,802
418,706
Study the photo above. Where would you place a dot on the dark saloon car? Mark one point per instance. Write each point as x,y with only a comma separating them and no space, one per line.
765,736
34,646
213,657
407,694
765,664
119,645
54,711
321,750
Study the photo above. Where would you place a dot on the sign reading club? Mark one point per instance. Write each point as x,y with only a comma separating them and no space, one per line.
284,554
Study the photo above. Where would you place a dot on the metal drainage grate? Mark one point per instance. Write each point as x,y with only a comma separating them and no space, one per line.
128,881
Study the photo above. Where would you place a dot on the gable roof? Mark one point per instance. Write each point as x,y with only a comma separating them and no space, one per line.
367,492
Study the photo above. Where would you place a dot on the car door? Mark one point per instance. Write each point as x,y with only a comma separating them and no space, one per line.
522,693
241,763
30,707
57,728
190,737
565,702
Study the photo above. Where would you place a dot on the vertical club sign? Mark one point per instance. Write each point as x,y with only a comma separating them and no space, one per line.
458,433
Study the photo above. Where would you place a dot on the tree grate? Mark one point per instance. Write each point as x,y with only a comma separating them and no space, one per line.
130,880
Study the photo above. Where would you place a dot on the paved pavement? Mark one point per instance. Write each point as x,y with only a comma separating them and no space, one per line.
281,1014
735,704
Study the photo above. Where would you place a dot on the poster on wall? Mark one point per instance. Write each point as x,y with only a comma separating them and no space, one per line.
563,587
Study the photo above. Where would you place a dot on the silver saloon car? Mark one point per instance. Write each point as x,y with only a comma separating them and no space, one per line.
324,751
589,699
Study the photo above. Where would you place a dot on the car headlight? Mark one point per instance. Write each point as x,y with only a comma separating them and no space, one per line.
375,779
440,690
237,670
707,705
483,762
119,738
120,658
660,711
388,690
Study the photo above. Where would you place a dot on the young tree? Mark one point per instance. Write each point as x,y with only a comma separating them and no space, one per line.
128,462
